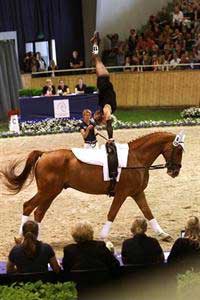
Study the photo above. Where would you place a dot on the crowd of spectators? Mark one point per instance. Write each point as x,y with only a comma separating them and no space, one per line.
32,255
170,38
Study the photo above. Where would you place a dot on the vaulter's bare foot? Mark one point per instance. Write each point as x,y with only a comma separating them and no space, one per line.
95,39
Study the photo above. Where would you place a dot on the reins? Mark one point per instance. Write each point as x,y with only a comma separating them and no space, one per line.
153,167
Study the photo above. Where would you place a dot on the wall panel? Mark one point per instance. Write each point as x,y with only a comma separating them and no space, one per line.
173,88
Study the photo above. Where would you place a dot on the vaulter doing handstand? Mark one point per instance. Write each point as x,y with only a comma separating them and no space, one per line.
108,105
107,96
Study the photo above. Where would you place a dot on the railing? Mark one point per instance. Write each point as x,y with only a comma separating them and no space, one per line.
138,68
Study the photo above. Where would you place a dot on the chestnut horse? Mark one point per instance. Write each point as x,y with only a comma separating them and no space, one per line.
60,169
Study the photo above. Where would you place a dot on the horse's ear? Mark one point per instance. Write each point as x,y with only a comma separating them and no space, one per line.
179,139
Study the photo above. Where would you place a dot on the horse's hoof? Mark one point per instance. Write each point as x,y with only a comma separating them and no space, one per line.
165,237
18,240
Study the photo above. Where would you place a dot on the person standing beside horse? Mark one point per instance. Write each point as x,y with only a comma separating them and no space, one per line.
87,130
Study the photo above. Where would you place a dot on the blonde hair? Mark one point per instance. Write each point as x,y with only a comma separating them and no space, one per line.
192,229
48,81
139,226
82,232
86,111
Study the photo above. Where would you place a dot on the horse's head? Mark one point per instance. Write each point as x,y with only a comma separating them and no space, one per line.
173,155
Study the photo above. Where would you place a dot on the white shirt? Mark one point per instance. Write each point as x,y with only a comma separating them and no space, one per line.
178,17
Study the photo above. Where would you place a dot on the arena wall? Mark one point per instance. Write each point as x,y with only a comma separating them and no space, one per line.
153,89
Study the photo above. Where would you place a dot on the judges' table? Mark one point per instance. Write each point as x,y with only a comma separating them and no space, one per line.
70,106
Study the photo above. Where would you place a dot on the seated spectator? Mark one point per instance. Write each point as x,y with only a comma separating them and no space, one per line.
114,41
87,253
31,255
155,63
49,88
27,62
141,249
186,250
63,89
80,87
34,64
41,62
175,61
52,66
177,16
132,40
75,61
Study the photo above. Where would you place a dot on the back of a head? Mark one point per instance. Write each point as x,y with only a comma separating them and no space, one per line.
30,233
192,229
139,226
82,232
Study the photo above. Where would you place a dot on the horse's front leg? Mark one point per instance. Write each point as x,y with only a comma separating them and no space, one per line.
115,206
144,207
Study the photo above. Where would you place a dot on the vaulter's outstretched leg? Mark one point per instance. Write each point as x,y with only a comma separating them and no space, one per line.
107,96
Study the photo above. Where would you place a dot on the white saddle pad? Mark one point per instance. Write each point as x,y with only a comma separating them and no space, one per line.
98,157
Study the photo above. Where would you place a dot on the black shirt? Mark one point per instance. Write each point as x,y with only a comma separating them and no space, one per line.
75,61
45,89
91,135
184,250
89,255
64,89
38,263
80,89
141,249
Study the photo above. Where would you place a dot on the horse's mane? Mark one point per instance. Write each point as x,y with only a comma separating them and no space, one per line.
144,138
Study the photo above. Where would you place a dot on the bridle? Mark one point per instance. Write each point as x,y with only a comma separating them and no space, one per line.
171,164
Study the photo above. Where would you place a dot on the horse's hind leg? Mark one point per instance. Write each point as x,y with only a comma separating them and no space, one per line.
144,207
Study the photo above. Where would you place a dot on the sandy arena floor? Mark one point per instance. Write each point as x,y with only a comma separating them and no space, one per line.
171,200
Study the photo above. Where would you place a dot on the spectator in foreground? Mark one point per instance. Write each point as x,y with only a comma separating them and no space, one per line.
32,255
76,62
87,253
141,249
63,89
80,87
186,250
49,88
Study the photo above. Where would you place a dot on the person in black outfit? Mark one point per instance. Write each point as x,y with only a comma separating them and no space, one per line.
141,249
108,105
62,89
80,87
107,96
87,253
87,129
186,251
32,255
75,61
49,88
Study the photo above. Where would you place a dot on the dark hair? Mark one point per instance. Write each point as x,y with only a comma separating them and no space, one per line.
98,116
30,233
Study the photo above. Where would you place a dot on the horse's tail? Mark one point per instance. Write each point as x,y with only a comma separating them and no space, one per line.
15,183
